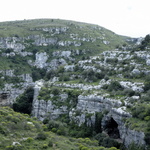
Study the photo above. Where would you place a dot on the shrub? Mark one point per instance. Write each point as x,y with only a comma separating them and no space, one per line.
134,146
98,119
14,147
41,136
106,141
45,146
128,92
2,130
23,104
50,74
114,85
50,143
55,91
141,111
57,127
9,147
54,130
38,73
46,120
147,138
113,148
82,147
29,139
147,83
52,124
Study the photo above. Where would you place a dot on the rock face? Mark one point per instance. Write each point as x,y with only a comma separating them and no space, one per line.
125,134
11,91
41,59
90,105
12,43
43,109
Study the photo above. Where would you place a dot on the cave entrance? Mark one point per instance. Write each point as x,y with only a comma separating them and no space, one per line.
111,128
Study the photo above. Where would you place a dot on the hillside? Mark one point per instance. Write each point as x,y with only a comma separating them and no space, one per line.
83,75
20,132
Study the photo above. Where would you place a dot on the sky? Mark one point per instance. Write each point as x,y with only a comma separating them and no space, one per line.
124,17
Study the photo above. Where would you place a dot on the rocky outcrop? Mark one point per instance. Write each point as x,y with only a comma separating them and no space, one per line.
11,91
65,54
125,133
41,59
90,104
52,30
43,109
12,43
41,40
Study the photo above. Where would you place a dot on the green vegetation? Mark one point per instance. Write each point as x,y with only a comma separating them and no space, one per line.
20,132
67,127
23,103
54,94
17,63
146,42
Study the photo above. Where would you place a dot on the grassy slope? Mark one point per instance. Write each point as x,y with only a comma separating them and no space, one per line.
33,135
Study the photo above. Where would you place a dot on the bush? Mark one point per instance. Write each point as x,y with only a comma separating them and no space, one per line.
147,138
38,73
14,147
23,104
55,91
45,121
50,74
106,141
112,60
2,130
45,146
29,139
134,146
50,144
128,92
57,127
114,85
41,136
147,83
141,111
98,119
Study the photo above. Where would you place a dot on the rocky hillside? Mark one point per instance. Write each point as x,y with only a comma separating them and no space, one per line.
78,73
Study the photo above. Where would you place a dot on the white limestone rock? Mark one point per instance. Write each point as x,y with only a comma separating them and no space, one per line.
136,71
41,59
65,54
148,62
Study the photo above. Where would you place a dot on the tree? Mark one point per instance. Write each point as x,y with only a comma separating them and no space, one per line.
114,85
23,104
145,42
147,83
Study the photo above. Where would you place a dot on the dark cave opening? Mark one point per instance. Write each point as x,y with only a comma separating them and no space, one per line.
111,128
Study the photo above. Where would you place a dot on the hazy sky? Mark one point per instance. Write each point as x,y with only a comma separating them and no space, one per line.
124,17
